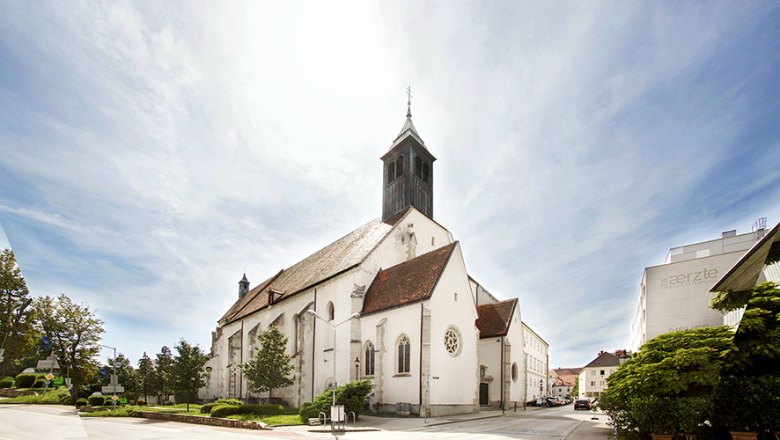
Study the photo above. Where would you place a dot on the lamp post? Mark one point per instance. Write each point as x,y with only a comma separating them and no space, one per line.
113,385
334,326
357,368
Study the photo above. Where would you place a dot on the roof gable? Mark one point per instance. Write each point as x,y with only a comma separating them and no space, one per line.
335,258
604,360
494,319
407,282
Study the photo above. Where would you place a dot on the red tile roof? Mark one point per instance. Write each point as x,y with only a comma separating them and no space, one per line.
494,318
408,282
335,258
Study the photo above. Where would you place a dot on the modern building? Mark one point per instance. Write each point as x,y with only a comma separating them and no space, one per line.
675,295
562,381
536,364
391,302
593,377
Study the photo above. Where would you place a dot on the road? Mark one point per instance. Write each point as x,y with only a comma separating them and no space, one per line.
22,422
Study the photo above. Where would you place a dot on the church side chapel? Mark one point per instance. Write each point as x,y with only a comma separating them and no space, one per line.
394,304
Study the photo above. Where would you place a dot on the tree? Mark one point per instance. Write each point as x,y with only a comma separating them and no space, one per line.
74,333
126,375
162,373
189,372
270,367
575,391
17,335
672,374
146,376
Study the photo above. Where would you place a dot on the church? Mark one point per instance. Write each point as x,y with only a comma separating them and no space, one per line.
391,302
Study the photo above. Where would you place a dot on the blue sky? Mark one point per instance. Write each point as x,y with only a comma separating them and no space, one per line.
153,152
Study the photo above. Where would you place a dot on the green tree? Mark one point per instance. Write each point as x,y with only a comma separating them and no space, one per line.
270,367
671,373
126,375
162,374
74,333
188,372
146,376
748,397
17,334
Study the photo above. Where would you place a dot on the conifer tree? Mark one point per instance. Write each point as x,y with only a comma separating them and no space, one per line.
270,367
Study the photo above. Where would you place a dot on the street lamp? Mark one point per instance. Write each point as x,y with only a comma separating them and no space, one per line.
334,326
110,381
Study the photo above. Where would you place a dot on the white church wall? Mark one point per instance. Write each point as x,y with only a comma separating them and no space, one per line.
395,387
452,307
517,388
490,363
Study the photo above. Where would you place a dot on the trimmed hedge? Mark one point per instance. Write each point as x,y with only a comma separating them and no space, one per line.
26,380
223,410
96,400
81,402
7,382
206,409
39,383
229,401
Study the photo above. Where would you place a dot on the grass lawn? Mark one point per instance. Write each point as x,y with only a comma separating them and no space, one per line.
52,396
126,411
282,419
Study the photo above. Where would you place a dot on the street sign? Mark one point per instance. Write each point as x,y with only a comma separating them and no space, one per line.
49,376
111,389
337,413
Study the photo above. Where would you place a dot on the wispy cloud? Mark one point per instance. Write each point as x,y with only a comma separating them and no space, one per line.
152,152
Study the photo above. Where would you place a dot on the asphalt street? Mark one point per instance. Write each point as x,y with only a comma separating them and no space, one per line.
22,422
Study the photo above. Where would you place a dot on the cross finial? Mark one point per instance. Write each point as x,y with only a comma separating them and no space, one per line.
409,102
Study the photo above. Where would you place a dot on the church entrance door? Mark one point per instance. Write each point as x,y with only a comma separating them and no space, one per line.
484,399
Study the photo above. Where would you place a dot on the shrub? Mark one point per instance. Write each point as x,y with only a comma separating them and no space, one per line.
96,400
351,395
205,409
224,410
7,382
81,402
39,383
230,401
262,410
26,380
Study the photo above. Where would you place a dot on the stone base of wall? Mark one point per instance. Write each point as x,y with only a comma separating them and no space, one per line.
213,421
448,410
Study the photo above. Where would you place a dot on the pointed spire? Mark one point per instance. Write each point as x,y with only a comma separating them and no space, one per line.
243,286
408,124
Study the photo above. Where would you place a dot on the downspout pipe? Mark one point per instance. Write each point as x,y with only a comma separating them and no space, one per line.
419,381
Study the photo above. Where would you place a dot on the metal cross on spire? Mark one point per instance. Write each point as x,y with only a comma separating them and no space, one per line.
409,102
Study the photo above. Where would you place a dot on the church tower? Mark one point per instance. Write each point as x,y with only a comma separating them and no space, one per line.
408,171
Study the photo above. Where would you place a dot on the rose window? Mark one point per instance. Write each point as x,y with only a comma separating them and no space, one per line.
451,342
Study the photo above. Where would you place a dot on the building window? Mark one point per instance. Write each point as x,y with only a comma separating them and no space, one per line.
452,341
331,311
404,352
368,359
455,296
399,167
593,383
602,372
426,172
433,241
602,383
482,371
514,371
417,166
390,172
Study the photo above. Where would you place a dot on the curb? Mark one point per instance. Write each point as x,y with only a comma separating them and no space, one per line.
199,420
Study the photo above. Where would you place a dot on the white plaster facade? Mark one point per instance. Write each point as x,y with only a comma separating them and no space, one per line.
593,377
537,364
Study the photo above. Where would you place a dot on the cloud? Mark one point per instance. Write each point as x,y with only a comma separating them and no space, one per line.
152,152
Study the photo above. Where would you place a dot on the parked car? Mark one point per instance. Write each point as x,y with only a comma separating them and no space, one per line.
581,404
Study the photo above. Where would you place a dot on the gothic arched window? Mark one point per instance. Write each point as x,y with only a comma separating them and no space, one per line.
426,172
399,166
404,352
417,166
368,359
390,172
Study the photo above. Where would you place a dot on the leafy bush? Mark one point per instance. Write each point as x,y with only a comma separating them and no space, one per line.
351,395
96,400
81,402
39,383
224,410
7,382
229,401
26,380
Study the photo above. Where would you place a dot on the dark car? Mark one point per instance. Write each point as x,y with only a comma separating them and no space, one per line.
581,404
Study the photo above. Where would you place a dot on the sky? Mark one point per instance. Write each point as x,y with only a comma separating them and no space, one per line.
153,152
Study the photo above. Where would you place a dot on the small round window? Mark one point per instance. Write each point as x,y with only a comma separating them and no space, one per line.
452,342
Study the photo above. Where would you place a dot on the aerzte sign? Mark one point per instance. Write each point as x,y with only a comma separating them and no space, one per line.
703,276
